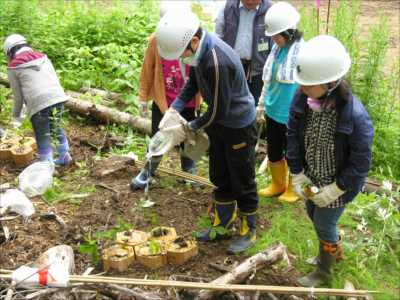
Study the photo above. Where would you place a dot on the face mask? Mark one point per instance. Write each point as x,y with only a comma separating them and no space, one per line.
314,104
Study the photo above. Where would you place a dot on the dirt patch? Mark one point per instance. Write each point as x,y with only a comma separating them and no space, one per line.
177,205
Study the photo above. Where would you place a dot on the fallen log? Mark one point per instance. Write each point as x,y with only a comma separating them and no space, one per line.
106,114
100,112
101,93
239,274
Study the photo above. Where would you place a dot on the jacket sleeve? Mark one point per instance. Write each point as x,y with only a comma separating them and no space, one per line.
220,23
294,156
17,91
360,152
219,81
188,92
147,72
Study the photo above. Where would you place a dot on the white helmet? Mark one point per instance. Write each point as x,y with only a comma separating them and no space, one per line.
280,17
174,32
175,5
12,41
322,59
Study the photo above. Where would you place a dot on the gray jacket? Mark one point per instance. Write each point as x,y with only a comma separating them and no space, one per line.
36,85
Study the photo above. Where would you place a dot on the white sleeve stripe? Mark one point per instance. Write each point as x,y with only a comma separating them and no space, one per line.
216,90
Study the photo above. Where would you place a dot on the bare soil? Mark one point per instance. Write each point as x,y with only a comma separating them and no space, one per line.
177,205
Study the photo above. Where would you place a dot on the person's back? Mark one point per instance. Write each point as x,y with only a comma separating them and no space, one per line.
34,83
237,104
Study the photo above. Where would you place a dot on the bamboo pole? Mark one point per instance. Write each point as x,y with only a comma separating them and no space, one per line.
180,173
286,290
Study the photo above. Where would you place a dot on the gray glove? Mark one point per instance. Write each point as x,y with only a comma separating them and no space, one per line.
260,112
299,182
327,195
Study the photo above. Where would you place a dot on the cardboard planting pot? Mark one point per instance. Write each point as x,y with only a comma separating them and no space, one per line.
180,251
163,234
118,258
22,155
132,238
151,260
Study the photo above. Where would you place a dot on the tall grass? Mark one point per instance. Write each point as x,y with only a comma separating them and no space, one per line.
89,43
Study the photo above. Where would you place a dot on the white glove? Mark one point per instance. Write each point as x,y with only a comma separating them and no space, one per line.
260,113
143,109
299,182
327,195
171,118
16,122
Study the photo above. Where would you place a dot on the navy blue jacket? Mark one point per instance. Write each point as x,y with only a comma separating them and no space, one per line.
220,78
353,140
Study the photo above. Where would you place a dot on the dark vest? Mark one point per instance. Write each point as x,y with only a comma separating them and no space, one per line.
231,18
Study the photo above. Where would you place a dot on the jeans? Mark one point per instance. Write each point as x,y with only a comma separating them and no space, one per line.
325,220
47,125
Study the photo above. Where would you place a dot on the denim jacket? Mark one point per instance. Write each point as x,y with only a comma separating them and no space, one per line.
353,141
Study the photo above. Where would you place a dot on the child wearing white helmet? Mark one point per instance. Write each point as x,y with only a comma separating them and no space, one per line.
217,73
279,88
161,81
35,84
329,145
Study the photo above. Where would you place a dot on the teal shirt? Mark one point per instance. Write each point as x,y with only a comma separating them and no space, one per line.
279,95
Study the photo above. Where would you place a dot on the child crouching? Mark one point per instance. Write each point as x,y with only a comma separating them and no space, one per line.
35,84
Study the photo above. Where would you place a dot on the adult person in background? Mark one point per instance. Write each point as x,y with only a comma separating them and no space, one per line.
229,121
241,25
161,81
277,94
329,145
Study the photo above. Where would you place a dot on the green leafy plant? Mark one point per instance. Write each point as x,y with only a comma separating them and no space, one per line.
90,247
154,247
205,223
122,225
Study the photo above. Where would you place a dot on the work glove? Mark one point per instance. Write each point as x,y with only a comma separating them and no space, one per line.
144,109
171,118
327,195
260,112
299,182
16,122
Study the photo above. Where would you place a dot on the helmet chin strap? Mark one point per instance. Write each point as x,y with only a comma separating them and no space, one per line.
330,90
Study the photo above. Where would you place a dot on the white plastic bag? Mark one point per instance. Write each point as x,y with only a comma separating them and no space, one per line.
36,178
54,276
17,202
196,148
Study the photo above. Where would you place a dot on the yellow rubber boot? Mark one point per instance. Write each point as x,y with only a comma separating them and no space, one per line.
289,195
278,184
